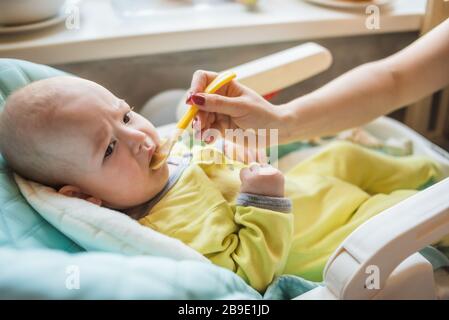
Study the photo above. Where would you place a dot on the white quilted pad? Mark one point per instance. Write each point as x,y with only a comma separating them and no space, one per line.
97,228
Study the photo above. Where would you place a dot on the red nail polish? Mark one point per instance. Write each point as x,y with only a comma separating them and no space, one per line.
196,124
189,97
210,139
198,100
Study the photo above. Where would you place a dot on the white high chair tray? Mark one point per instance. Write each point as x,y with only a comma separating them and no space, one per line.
384,128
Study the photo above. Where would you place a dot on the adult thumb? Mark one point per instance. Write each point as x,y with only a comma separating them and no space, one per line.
230,106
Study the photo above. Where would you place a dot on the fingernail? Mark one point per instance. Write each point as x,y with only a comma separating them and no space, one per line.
198,99
195,124
189,97
210,139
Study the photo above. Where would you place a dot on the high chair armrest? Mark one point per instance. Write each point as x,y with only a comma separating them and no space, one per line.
386,240
285,68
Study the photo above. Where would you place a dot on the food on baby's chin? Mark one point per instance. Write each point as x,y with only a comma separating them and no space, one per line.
157,160
160,154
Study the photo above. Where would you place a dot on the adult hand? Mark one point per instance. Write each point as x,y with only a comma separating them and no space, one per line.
233,106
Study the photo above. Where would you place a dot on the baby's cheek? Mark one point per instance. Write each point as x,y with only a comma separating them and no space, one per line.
126,180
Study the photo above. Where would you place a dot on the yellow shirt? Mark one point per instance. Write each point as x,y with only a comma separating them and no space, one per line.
200,210
331,193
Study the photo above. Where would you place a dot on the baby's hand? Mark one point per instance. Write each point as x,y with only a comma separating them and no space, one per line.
263,180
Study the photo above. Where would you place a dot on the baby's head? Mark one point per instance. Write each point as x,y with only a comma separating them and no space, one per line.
76,136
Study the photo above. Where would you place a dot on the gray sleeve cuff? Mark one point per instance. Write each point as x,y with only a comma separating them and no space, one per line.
264,202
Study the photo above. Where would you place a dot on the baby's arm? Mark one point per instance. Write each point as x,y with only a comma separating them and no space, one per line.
263,240
371,90
262,243
257,230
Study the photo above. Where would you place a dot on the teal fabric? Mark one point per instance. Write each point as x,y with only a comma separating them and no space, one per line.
436,257
15,74
51,274
20,225
287,287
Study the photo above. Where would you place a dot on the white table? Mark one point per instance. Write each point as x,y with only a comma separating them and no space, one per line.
104,34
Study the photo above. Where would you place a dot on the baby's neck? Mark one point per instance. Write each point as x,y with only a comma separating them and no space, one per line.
136,211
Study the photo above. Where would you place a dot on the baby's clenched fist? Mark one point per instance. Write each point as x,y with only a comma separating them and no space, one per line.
262,179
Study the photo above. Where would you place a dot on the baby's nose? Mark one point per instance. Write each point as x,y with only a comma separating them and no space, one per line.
137,140
148,142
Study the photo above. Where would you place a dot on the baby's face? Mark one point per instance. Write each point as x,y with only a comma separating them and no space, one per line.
109,145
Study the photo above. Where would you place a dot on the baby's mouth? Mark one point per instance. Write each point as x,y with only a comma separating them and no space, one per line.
151,151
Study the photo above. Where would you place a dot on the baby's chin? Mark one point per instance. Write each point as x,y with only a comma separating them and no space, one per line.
156,182
160,176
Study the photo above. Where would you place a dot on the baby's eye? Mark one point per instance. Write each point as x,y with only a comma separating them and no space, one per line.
109,149
127,117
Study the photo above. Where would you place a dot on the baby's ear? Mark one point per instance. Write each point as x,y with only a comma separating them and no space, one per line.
72,191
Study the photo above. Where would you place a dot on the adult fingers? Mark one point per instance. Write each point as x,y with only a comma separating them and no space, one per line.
201,79
231,106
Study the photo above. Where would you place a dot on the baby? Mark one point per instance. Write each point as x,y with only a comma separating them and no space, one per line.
76,136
